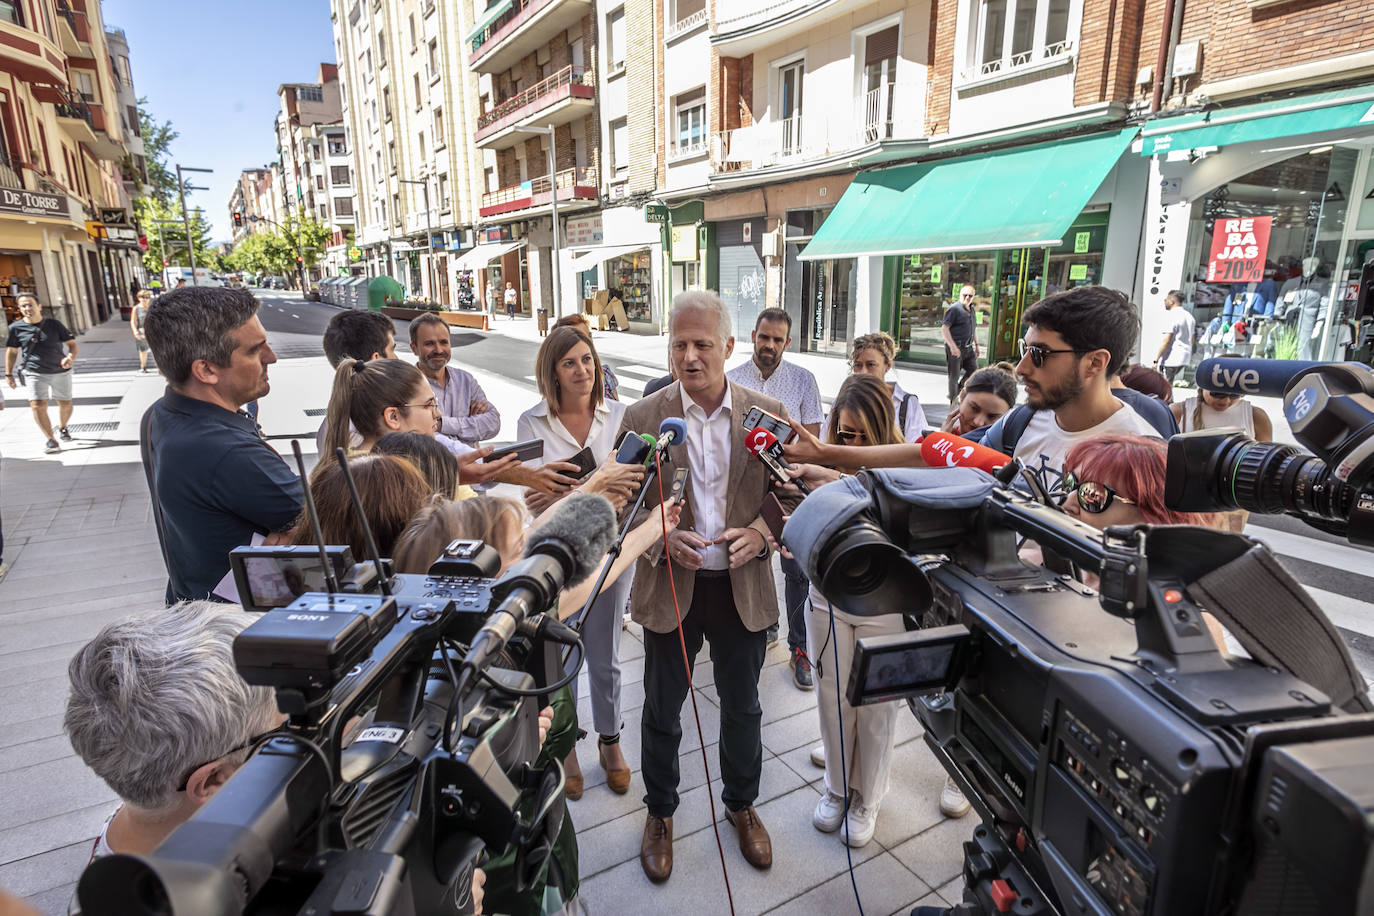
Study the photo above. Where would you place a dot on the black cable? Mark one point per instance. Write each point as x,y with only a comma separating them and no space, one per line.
540,691
455,703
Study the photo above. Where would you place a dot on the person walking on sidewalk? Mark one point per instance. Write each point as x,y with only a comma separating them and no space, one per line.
768,373
512,298
136,319
35,349
961,347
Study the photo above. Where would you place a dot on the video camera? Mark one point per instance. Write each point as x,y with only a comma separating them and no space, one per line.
1120,764
393,821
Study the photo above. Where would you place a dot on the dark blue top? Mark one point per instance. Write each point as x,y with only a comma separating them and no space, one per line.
217,482
40,345
959,320
1152,410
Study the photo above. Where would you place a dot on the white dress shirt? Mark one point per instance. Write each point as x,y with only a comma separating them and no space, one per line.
794,386
708,461
559,444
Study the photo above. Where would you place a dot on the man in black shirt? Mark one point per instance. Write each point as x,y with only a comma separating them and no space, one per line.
215,482
43,350
961,348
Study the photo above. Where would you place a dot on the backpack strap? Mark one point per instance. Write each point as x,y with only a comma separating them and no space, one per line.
901,414
1008,431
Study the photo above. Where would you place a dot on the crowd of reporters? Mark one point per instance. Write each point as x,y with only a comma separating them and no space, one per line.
158,711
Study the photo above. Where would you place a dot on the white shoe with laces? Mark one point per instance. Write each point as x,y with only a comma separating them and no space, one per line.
818,756
952,801
829,813
860,823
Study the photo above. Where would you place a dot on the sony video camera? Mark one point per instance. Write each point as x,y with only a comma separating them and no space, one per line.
1120,764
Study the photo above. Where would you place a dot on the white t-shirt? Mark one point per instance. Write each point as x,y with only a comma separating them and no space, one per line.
1044,445
1181,346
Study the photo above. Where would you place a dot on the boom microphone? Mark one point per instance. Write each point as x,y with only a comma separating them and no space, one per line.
768,449
946,450
563,551
1263,377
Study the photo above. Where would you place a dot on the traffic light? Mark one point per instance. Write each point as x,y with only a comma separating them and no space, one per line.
238,220
300,262
165,262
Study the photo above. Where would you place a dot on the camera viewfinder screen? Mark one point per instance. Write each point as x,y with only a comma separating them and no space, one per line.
910,668
278,581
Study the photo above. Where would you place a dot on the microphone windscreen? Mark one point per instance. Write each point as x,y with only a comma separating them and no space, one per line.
652,442
1263,377
676,425
758,439
584,525
946,450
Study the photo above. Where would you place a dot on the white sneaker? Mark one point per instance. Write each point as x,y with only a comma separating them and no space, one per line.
818,756
860,824
952,801
829,813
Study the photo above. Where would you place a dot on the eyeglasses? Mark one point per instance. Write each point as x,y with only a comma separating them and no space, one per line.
1038,354
432,405
845,435
251,742
1093,498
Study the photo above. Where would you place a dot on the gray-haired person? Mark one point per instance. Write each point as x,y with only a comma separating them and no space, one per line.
158,711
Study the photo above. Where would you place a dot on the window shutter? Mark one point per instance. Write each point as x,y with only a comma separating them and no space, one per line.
880,46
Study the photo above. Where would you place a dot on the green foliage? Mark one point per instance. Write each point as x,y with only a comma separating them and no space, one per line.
272,250
167,240
157,142
1285,343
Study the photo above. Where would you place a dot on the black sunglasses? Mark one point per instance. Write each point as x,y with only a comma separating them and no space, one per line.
1093,498
1038,354
251,742
845,435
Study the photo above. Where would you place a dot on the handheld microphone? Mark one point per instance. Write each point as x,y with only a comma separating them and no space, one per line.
946,450
563,551
1263,377
671,431
768,449
652,441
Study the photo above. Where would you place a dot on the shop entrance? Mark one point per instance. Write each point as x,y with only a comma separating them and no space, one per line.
827,289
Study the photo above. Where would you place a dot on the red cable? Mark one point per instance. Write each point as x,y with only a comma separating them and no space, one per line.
691,690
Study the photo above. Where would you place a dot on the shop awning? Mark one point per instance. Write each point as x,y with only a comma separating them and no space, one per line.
1306,114
1024,197
594,256
489,15
478,258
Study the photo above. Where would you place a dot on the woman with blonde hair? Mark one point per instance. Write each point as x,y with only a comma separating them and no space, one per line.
872,354
137,316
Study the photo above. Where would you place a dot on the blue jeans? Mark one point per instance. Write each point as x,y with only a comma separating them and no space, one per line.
795,591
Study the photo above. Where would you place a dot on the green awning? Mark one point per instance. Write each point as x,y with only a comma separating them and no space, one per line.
1024,197
1306,114
489,15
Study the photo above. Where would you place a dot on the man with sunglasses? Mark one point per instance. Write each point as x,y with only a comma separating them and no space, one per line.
961,346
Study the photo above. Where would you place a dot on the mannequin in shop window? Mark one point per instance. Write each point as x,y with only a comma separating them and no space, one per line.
1300,301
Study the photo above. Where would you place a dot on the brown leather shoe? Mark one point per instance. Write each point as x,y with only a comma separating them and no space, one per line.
613,762
656,849
572,776
753,837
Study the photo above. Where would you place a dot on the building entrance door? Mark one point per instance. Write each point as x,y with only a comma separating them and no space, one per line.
828,306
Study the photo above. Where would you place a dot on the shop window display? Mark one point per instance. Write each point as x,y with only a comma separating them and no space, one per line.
629,274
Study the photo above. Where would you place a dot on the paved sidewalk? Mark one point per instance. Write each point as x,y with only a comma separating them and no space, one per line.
83,551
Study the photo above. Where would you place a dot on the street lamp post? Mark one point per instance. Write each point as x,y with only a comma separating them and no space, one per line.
429,231
553,209
182,188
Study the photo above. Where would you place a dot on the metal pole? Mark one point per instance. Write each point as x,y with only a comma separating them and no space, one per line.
553,206
429,229
186,221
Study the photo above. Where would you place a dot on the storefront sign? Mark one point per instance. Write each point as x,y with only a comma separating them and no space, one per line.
1078,271
584,231
32,203
114,216
1238,250
683,243
124,236
655,213
818,318
937,272
1081,241
355,253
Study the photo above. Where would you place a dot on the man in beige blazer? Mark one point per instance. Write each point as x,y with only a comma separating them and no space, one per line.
721,576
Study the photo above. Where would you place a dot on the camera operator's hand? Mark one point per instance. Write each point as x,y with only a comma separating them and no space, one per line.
615,481
745,545
684,548
545,723
472,469
805,447
479,881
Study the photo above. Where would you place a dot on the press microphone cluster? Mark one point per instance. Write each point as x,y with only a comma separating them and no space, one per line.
561,552
946,450
768,449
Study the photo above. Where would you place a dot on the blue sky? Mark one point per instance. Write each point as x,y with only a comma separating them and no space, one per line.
213,69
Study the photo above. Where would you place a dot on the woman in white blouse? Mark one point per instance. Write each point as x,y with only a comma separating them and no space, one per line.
872,354
574,414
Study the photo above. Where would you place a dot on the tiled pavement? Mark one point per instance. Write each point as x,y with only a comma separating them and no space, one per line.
80,540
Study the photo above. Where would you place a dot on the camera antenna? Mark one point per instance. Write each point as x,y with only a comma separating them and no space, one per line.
383,582
331,585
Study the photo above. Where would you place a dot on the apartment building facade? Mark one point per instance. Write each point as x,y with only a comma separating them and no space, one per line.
1258,120
61,156
306,110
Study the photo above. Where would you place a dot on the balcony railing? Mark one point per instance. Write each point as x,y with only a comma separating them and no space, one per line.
578,182
872,119
687,23
564,79
71,107
9,173
878,113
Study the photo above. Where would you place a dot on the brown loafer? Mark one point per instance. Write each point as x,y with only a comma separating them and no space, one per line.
613,762
656,849
753,837
572,776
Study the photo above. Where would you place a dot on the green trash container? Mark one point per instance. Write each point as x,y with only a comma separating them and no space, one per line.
379,288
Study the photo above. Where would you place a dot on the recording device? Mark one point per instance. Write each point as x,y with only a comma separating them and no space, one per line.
1263,377
277,576
772,513
1119,763
946,450
775,424
393,822
634,448
767,449
585,461
678,488
523,451
1330,408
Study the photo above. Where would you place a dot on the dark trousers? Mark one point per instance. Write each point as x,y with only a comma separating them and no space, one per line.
1170,372
959,368
737,655
796,590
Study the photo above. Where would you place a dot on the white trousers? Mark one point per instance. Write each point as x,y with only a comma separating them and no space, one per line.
867,730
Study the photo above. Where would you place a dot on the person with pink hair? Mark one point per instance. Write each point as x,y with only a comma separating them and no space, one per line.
1119,480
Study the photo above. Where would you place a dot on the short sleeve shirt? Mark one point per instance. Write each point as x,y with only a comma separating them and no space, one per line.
959,320
1181,344
42,344
794,386
1045,444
